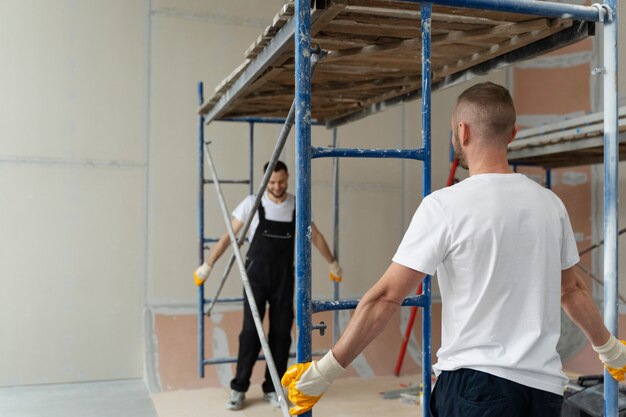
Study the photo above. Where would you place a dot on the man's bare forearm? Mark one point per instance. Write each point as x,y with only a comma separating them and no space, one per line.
375,310
579,306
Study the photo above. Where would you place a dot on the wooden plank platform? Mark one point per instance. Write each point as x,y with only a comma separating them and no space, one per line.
578,141
374,55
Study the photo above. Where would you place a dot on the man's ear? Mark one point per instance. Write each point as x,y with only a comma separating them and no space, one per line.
463,133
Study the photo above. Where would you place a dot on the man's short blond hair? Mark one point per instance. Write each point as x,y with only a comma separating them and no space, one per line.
489,110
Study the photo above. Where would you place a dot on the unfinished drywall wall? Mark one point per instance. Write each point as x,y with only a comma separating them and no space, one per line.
72,187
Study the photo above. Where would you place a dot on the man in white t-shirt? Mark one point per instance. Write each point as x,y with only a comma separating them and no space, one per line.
505,256
270,269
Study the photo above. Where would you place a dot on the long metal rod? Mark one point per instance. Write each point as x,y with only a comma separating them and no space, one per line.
336,330
319,306
611,178
539,8
246,182
201,238
265,120
251,158
217,361
225,300
426,12
258,323
321,152
303,180
278,148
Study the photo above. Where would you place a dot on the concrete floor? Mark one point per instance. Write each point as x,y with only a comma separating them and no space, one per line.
348,397
128,398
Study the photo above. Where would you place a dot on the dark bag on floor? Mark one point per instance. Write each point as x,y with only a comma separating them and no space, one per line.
586,398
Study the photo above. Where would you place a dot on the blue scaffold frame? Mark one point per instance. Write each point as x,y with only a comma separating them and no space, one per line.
298,31
304,154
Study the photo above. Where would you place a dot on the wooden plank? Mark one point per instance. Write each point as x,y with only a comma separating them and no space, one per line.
279,21
566,124
506,30
385,4
587,150
335,8
334,56
322,15
514,43
227,82
331,44
454,37
349,27
375,51
575,133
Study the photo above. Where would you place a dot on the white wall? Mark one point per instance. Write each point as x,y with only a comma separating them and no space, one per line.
72,190
98,171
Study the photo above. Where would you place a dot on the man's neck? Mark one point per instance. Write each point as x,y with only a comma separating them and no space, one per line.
275,199
495,162
486,169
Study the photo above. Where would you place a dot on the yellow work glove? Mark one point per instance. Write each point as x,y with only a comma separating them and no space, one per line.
613,356
201,274
335,271
307,382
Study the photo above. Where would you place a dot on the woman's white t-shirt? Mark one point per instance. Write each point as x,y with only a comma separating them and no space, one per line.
498,243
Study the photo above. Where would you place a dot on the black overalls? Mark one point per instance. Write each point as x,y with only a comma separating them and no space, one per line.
271,273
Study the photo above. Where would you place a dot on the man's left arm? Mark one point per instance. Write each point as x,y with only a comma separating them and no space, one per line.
579,306
319,241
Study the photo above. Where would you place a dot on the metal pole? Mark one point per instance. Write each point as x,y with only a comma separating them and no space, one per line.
426,12
539,8
200,232
335,235
319,152
278,148
269,359
611,161
303,179
251,185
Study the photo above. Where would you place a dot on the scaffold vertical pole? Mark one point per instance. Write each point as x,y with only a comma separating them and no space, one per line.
303,179
251,167
336,330
611,163
426,12
200,231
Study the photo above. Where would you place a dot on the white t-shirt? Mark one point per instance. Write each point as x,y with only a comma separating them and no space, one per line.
498,243
281,212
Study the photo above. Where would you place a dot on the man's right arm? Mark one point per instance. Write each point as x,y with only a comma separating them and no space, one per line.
203,271
375,310
307,382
